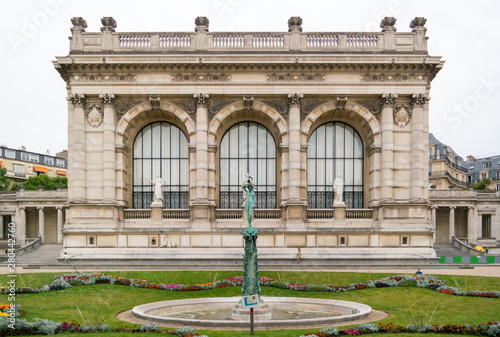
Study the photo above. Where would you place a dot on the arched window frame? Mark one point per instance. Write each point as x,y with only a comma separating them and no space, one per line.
236,158
160,148
346,158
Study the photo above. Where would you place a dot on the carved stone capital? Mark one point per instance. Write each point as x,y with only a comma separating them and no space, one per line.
39,207
201,98
388,98
418,23
341,101
79,24
76,99
95,115
107,98
402,115
387,24
295,99
108,24
247,102
419,99
295,24
201,23
155,101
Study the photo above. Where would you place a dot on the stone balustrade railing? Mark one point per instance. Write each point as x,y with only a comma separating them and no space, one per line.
137,214
110,41
267,213
317,214
229,214
176,214
359,213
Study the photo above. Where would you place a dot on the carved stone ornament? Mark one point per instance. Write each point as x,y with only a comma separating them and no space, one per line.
418,23
201,98
247,102
295,98
419,99
201,77
341,101
388,98
387,24
155,101
76,99
94,116
78,24
107,98
201,23
274,77
394,78
295,24
107,78
108,24
402,115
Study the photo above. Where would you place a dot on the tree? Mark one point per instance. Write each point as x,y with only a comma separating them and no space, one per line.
483,185
4,180
48,183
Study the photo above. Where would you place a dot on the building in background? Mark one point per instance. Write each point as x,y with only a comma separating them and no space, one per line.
446,167
484,168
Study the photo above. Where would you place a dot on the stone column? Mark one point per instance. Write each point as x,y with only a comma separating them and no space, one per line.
387,167
295,206
417,147
109,159
59,224
201,209
1,227
470,225
41,223
21,225
78,174
434,221
451,225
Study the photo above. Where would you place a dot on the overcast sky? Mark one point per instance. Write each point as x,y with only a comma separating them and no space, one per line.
464,106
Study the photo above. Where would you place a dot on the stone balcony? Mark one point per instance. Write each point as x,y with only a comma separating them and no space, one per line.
108,41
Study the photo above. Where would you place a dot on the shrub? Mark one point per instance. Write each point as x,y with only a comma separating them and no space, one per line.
76,283
419,328
330,331
184,331
408,284
123,281
368,327
59,284
153,327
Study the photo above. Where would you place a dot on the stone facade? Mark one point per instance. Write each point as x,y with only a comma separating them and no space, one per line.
290,83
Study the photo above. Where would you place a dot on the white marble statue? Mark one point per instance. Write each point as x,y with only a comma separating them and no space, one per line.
338,189
158,190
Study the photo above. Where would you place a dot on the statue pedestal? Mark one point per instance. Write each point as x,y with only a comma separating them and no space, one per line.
156,211
338,210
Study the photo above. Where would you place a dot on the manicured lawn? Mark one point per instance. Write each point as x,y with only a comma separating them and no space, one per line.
62,305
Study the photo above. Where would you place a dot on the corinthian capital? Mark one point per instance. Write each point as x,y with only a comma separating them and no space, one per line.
76,99
295,98
201,98
419,99
107,98
389,98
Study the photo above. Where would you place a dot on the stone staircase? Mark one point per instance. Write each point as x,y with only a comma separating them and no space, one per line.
43,256
449,250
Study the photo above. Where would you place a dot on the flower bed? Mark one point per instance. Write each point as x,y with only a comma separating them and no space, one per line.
65,281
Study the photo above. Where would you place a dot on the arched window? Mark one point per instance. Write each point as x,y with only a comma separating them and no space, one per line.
161,149
334,148
247,147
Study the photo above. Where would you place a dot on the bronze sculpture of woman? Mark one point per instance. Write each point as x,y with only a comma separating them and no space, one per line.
248,187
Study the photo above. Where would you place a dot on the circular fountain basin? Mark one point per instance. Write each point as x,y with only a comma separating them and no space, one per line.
287,312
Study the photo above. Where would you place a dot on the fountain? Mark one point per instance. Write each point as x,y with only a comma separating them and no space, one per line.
238,312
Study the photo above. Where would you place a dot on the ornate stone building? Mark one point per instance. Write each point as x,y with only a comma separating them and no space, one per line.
294,109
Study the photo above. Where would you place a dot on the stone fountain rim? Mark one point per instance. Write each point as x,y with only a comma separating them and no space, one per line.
139,312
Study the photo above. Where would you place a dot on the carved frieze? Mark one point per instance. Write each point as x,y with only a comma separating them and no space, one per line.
394,78
288,77
201,77
106,78
94,115
402,115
